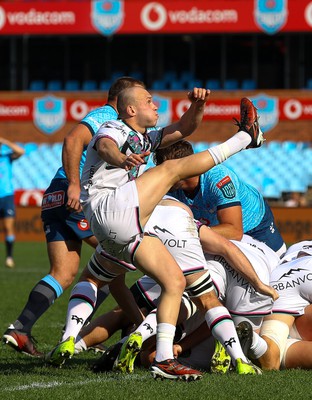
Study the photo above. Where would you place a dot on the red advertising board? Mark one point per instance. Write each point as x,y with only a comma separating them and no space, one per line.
109,17
50,112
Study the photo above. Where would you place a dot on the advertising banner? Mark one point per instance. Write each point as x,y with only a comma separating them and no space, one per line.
49,113
111,17
295,224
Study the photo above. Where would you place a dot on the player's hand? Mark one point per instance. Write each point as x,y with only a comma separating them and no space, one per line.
177,350
268,291
198,95
133,160
73,201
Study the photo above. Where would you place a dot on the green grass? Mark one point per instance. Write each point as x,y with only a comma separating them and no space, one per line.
22,377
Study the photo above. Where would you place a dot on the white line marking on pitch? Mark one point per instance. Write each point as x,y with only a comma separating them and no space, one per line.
39,385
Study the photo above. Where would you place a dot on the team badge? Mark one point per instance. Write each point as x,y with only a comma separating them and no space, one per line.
164,110
271,15
83,225
107,16
49,114
268,111
227,188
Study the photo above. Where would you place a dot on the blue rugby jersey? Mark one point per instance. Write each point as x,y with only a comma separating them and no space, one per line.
6,171
220,188
93,120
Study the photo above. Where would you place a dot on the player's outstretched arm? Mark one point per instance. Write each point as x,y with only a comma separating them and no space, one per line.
74,143
190,120
214,243
18,151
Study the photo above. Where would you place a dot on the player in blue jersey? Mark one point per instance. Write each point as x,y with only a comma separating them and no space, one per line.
9,152
220,199
64,223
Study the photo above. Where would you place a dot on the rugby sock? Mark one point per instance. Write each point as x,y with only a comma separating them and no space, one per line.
9,243
80,345
223,329
258,347
164,341
102,294
40,299
232,146
81,304
148,327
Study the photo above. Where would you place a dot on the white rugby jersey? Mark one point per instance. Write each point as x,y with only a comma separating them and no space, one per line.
98,176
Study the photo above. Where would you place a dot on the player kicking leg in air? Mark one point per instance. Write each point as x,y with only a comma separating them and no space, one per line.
118,211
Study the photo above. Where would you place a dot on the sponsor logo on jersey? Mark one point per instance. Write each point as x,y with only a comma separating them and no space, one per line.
107,16
83,225
227,188
291,282
271,15
158,229
53,200
49,114
268,110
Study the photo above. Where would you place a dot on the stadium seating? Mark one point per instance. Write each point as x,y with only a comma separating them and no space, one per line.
89,85
54,85
72,85
159,85
37,85
248,84
213,84
230,84
104,85
264,168
176,84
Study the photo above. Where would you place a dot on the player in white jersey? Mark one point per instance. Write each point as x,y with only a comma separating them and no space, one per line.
291,313
133,202
172,223
64,224
235,292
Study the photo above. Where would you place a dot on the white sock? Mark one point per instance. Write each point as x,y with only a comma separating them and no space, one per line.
223,329
148,327
80,307
232,146
258,347
164,341
80,345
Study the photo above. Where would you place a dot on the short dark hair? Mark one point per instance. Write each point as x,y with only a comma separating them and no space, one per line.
122,83
180,149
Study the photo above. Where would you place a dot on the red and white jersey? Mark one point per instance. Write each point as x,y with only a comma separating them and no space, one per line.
98,176
293,282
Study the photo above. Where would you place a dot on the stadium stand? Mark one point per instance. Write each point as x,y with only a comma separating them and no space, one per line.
263,168
89,85
72,85
37,85
54,85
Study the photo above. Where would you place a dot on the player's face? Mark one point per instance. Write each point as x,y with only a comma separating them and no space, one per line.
147,115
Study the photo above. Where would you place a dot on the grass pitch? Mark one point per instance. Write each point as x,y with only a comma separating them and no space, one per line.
22,377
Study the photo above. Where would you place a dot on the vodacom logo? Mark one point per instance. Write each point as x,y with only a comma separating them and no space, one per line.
308,14
2,17
293,109
153,16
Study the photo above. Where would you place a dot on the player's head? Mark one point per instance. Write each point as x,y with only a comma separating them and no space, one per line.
298,249
177,150
120,84
135,106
